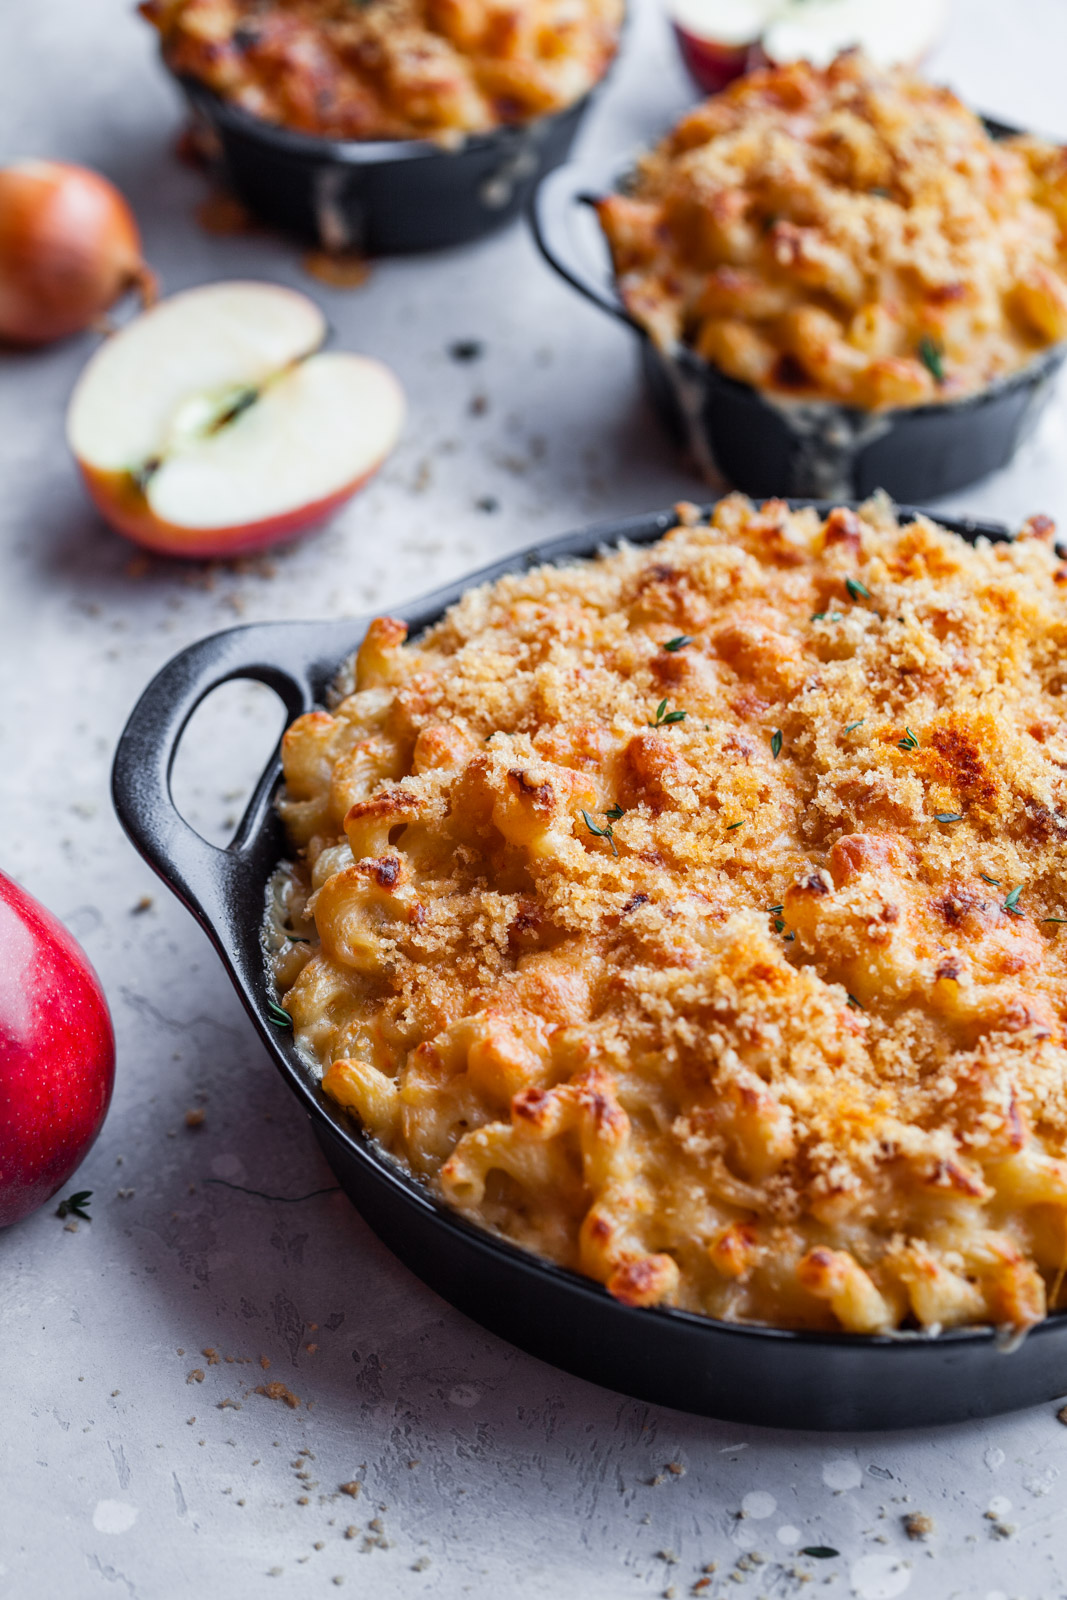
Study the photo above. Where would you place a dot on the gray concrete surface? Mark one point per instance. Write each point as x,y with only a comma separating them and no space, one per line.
483,1472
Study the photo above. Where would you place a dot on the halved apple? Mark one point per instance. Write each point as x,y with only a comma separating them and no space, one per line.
213,425
720,39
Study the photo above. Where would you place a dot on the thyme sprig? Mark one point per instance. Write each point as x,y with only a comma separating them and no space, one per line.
278,1015
1011,901
776,743
665,718
679,642
76,1205
932,357
857,590
607,833
909,741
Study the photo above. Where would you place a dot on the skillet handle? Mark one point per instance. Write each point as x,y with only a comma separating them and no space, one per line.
213,883
567,240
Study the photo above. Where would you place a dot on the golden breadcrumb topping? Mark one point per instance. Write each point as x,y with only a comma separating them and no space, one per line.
850,233
389,69
695,916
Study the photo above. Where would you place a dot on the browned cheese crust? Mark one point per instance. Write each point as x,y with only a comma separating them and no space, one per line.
693,916
389,69
850,234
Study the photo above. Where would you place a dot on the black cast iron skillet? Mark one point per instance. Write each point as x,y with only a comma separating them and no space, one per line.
382,196
792,447
739,1373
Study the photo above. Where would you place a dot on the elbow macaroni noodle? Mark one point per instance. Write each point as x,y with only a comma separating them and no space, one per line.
757,1010
850,234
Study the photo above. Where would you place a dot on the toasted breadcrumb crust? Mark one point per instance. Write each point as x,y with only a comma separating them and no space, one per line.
756,1010
850,233
389,69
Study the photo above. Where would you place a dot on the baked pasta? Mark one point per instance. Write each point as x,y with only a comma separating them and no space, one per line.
694,916
851,234
389,69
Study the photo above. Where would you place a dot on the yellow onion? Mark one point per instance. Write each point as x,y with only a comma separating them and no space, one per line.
69,248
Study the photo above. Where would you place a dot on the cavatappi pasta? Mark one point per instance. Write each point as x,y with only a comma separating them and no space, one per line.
852,234
694,916
389,69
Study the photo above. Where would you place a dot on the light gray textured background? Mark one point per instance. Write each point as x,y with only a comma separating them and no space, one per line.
489,1473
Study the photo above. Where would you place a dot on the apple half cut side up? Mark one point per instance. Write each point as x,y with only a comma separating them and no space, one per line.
212,425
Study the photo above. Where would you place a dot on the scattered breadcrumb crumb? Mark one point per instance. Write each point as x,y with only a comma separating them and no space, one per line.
196,1376
195,1119
278,1391
918,1525
351,1488
145,903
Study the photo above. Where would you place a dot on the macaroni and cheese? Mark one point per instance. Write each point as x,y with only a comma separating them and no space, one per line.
695,916
389,69
852,234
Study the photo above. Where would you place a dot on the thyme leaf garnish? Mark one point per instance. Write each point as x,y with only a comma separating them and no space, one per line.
76,1205
730,826
774,910
987,879
857,590
932,357
1054,919
821,1552
278,1015
664,718
850,727
909,741
679,642
1011,901
602,833
948,816
776,743
856,1005
827,616
615,812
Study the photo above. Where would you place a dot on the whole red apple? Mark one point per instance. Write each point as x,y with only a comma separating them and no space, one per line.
57,1054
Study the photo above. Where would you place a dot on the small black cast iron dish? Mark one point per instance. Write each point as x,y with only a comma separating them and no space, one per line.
769,446
740,1373
381,196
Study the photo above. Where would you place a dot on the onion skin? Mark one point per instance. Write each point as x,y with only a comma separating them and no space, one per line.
69,248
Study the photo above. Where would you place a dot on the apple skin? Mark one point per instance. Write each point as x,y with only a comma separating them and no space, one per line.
710,64
124,507
57,1054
